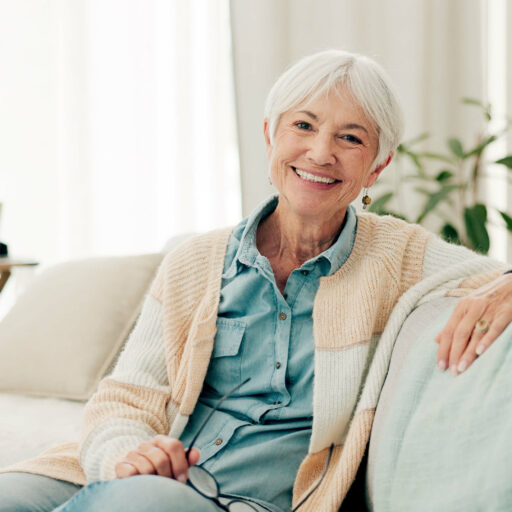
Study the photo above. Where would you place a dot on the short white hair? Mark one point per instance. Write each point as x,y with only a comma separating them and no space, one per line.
326,71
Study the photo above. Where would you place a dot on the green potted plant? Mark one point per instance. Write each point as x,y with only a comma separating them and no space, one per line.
449,183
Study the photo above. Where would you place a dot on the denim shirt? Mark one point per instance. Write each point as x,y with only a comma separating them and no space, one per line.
256,441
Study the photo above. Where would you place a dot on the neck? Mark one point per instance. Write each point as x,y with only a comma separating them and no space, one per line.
284,235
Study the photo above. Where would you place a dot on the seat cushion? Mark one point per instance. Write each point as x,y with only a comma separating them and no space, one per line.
29,425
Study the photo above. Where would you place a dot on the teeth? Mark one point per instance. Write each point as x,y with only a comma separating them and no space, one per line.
311,177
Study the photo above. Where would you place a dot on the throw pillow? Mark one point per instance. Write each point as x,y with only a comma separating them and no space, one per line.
65,331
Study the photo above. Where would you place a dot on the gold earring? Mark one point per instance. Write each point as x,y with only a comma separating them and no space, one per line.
366,199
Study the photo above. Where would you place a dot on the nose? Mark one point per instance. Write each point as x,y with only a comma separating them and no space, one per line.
321,150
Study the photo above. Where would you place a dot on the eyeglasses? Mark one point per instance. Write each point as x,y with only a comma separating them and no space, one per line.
205,483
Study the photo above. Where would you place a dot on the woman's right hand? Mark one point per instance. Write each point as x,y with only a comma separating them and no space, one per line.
163,455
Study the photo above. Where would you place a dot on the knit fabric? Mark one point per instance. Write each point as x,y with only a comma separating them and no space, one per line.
358,312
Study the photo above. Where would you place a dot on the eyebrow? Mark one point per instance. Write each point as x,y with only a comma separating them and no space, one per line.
349,126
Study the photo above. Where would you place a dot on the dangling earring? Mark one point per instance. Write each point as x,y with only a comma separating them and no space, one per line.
270,180
366,199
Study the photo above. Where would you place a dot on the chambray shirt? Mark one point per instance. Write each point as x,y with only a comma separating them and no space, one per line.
255,442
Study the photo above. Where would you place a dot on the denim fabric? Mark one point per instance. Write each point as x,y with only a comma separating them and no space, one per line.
141,493
255,443
24,492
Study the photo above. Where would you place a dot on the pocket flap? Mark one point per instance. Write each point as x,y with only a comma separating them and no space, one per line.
228,338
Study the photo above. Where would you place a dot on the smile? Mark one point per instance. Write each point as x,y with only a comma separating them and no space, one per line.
313,177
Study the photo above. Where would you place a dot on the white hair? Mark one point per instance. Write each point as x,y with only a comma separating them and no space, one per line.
326,71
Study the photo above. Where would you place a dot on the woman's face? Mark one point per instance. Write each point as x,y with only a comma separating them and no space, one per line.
321,155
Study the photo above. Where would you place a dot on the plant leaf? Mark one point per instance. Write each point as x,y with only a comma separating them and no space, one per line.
505,161
473,101
415,160
393,214
378,204
456,148
423,191
444,175
475,218
434,199
507,219
478,150
437,156
450,234
485,107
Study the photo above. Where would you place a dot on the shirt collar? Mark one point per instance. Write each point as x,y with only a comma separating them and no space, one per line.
328,261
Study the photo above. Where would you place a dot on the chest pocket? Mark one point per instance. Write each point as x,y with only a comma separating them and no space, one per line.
225,369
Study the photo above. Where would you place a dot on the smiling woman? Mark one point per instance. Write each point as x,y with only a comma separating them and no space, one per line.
301,302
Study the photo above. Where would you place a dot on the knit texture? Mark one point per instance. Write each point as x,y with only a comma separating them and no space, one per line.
357,314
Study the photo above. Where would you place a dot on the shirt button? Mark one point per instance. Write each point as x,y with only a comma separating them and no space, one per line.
304,272
278,365
218,441
282,316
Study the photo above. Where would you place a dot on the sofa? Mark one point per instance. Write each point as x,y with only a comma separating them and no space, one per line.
438,442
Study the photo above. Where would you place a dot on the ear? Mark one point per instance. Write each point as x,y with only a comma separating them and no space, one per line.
266,133
372,177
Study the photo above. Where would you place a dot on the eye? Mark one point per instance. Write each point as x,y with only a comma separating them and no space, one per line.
351,138
303,125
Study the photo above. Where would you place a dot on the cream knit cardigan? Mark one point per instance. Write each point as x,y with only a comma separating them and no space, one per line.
364,302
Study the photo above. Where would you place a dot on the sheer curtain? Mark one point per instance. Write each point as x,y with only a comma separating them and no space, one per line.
118,126
163,138
152,150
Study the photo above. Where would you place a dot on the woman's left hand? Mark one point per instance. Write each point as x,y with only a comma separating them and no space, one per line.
475,323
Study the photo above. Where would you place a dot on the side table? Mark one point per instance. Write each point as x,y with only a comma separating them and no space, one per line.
7,264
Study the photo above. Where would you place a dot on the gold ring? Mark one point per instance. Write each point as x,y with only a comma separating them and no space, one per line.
482,326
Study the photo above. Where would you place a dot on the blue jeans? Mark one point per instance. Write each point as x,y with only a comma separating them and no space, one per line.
22,492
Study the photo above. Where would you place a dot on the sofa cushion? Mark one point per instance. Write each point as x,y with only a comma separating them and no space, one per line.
65,331
30,425
441,442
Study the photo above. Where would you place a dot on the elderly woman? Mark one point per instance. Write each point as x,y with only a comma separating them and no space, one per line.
271,333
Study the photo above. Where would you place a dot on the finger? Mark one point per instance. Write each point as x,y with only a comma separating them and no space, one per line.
444,337
193,457
125,469
176,452
462,323
496,328
141,463
469,355
158,458
443,350
460,341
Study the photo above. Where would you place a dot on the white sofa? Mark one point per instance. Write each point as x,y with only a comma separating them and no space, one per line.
438,442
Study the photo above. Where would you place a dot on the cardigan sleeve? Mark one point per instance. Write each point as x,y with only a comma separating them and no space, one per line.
441,255
129,406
